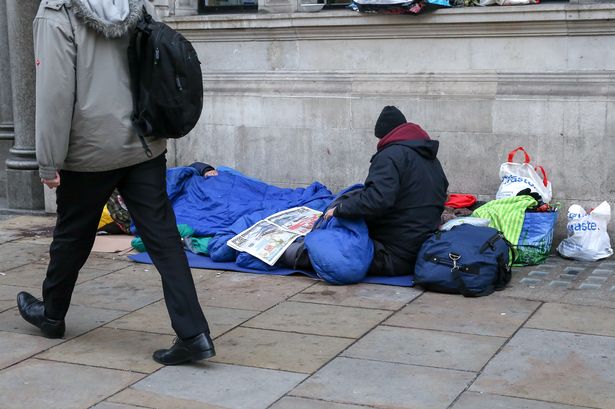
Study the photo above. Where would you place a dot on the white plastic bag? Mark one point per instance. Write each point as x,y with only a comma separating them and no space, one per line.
587,239
476,221
516,177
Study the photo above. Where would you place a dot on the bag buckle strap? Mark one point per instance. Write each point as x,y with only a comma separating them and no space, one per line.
454,258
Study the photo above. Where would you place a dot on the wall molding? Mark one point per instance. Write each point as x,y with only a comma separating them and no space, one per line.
449,85
564,19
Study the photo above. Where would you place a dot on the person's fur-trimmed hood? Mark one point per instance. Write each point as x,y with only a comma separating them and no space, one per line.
110,18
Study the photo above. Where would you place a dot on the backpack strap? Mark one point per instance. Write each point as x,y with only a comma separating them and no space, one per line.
134,63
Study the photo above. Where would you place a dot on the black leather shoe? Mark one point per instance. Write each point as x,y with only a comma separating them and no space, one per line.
33,311
194,349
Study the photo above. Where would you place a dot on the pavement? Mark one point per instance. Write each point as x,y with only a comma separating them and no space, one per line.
546,342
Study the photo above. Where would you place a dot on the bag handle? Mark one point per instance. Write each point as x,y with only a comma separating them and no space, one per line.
544,174
511,154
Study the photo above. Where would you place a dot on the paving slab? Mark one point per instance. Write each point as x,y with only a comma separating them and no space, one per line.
18,254
112,291
481,316
112,348
28,223
43,240
200,274
15,348
8,295
319,319
137,274
473,400
228,386
246,291
574,318
277,350
384,384
79,320
110,405
564,281
110,262
561,367
155,318
36,384
384,297
290,402
8,236
426,347
33,274
153,400
149,275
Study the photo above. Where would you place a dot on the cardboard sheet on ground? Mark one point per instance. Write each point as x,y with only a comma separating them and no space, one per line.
112,243
198,261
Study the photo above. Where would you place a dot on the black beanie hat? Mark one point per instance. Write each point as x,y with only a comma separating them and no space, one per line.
389,119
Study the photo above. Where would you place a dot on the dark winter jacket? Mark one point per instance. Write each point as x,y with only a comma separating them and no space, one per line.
404,192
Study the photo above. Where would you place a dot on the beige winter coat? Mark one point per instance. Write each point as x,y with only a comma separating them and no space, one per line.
83,99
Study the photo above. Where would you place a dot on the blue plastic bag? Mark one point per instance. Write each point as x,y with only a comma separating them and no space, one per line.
536,238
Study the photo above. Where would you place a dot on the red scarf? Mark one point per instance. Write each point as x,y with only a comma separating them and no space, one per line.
404,132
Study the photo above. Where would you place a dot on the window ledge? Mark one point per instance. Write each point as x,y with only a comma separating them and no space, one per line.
559,12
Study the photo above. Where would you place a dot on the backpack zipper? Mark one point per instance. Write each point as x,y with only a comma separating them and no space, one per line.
157,49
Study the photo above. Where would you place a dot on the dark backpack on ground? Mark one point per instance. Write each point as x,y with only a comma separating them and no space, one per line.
166,81
469,260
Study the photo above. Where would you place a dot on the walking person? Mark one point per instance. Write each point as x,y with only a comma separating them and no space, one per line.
86,147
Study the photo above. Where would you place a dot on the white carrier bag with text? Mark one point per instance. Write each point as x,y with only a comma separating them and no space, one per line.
587,239
516,177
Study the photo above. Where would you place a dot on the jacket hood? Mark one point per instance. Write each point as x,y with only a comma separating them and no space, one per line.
110,18
412,136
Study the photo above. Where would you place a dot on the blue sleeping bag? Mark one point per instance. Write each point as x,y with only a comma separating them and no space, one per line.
211,204
223,206
340,250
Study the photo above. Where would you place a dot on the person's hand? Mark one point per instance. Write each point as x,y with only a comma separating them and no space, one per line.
52,183
211,173
329,213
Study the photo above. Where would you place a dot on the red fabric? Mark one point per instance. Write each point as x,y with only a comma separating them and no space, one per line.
404,132
460,201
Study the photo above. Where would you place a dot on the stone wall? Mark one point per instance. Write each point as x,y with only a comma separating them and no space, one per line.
292,98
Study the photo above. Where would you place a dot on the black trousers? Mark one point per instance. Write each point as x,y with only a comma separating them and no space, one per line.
386,263
81,197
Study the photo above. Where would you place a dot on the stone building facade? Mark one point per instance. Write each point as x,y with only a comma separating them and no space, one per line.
292,97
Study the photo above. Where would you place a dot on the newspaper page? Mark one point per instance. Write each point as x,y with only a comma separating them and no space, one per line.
298,219
269,238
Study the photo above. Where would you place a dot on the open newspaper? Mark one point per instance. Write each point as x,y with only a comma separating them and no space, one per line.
269,238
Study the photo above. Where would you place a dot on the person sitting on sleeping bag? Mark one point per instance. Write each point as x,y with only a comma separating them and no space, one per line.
403,196
401,201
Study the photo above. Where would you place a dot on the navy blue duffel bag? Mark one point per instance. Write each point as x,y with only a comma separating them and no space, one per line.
469,260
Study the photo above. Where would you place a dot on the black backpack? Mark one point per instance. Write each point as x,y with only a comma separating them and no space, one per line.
165,80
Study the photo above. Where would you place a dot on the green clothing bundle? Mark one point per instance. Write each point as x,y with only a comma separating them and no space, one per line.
507,215
197,245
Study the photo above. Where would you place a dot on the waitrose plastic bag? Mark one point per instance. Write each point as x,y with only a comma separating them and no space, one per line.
587,238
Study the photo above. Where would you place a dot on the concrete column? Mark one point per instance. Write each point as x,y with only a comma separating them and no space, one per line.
24,189
6,100
164,8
